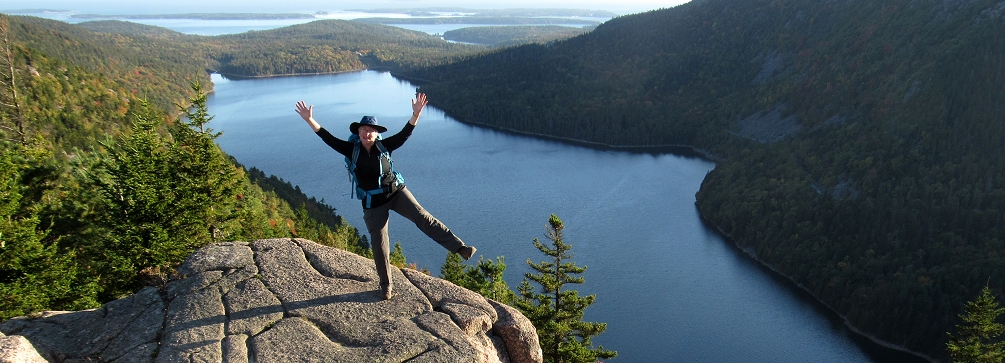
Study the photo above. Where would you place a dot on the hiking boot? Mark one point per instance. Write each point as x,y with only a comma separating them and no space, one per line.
387,292
466,252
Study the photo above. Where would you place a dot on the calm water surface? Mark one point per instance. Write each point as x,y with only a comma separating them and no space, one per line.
669,288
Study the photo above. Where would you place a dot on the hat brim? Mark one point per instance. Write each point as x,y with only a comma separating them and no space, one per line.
354,127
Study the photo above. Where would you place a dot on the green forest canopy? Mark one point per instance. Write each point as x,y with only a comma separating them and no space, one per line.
108,191
105,192
502,36
858,142
318,47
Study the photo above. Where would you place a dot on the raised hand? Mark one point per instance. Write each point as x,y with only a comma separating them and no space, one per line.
417,104
307,113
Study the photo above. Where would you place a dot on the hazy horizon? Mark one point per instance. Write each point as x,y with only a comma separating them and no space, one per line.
115,7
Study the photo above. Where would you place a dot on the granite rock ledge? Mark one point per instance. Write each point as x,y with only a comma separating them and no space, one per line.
284,300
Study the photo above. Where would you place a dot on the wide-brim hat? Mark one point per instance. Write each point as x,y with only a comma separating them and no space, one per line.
366,121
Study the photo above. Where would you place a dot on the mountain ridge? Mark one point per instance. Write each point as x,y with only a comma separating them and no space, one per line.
857,139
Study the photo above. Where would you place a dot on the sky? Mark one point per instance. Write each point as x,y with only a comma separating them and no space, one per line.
114,7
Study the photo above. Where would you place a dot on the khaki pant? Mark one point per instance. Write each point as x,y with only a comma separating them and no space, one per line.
404,204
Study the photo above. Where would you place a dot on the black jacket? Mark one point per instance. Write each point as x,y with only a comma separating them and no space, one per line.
368,163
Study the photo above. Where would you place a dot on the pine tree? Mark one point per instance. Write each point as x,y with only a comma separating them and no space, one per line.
34,273
343,236
557,312
453,270
210,180
980,336
142,210
485,278
397,256
163,196
197,112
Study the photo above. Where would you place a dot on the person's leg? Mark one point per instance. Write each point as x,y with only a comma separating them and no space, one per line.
406,205
376,224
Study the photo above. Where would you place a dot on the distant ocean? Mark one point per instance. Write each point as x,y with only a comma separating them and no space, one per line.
220,27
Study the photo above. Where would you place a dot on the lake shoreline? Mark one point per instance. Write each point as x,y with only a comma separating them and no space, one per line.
847,323
675,149
691,151
865,343
236,77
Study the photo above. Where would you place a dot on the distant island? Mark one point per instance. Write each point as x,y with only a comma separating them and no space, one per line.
493,12
448,15
202,16
503,36
482,20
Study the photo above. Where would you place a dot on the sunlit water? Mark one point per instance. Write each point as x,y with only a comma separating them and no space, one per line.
669,288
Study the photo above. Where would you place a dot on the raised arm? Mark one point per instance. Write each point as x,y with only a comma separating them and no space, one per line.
307,113
417,104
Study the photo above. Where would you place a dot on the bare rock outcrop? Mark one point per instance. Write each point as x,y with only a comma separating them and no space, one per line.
17,349
282,300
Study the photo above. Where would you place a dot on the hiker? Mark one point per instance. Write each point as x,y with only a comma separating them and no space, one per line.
381,189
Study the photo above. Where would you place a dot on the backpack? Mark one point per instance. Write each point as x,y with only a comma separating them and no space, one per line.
350,166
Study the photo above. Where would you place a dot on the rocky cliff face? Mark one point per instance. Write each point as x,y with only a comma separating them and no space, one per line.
283,300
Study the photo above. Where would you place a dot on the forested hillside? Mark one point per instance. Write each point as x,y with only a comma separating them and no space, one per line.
110,175
318,47
505,36
858,141
328,46
108,169
157,70
103,190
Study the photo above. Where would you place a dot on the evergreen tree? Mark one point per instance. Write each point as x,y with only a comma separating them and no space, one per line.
342,237
557,312
34,273
163,197
486,278
980,336
197,112
210,180
397,256
142,210
453,270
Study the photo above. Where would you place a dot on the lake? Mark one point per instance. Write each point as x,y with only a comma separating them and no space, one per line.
670,288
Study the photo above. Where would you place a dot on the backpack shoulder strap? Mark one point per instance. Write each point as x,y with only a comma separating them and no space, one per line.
350,161
350,167
383,150
355,156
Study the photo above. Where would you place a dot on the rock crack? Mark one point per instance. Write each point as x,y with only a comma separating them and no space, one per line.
281,300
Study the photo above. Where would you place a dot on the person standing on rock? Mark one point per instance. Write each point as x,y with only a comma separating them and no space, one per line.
380,188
